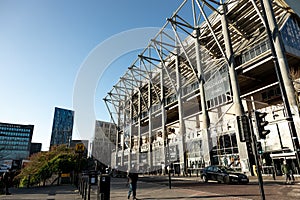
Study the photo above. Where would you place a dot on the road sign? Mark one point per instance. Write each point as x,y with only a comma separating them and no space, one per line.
79,148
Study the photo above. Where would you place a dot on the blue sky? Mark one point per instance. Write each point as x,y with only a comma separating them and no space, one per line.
44,43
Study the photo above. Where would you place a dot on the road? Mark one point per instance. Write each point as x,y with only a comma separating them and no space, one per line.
274,189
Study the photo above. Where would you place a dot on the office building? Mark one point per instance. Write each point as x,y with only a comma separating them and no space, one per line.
35,148
62,127
104,141
15,141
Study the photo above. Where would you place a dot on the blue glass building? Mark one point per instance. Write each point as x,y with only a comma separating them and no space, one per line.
62,127
15,141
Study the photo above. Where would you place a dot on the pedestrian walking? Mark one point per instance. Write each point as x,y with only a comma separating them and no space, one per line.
291,173
132,182
7,181
289,177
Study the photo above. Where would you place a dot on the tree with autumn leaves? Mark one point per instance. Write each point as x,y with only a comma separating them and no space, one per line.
42,165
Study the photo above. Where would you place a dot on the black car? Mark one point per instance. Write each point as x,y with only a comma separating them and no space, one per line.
223,174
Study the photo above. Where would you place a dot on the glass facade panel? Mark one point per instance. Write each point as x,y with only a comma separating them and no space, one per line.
62,127
15,141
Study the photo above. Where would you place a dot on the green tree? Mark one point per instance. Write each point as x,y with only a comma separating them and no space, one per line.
43,165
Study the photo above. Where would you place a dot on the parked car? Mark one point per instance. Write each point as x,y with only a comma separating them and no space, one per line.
223,174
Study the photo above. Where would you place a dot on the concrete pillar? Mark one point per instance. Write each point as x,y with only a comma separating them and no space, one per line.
163,112
206,139
123,135
139,127
284,78
182,130
130,130
117,135
239,110
282,61
150,124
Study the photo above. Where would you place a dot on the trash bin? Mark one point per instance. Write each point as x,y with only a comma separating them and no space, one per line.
93,178
103,187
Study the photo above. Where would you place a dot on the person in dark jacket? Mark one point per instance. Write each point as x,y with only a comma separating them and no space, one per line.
132,178
7,181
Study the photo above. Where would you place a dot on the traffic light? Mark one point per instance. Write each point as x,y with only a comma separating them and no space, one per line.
244,128
259,148
261,123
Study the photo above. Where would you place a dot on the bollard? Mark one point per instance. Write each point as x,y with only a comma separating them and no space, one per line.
103,192
89,191
78,186
85,189
82,184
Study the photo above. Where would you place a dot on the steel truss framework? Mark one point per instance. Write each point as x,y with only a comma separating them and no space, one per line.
166,84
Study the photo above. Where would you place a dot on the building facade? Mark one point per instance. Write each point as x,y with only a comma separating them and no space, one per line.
35,148
179,102
62,128
104,142
15,141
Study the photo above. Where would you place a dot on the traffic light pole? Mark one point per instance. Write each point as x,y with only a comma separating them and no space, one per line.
258,171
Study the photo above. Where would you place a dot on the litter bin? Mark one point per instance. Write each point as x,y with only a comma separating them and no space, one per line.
103,187
93,178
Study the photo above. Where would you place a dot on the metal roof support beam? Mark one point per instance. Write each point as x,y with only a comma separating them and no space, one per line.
165,67
165,34
149,58
122,95
139,71
142,96
110,113
258,12
119,88
179,25
154,45
116,97
129,82
184,51
212,31
128,90
237,30
113,100
211,7
162,44
149,75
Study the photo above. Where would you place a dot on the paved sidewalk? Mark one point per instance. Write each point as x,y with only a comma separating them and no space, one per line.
62,192
154,191
146,190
